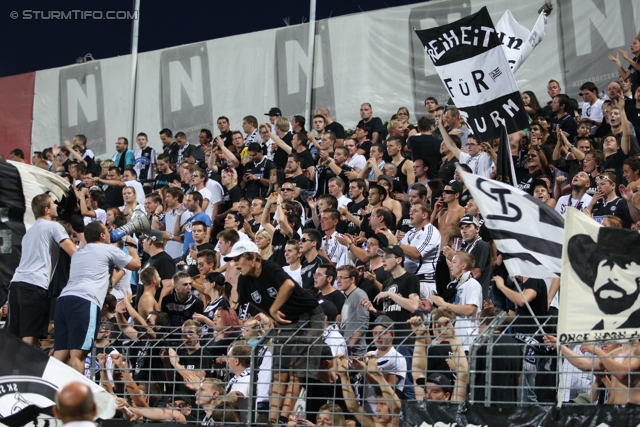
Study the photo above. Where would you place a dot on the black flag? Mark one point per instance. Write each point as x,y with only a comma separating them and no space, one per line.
505,172
469,59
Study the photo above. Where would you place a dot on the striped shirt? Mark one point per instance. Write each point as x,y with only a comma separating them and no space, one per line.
427,242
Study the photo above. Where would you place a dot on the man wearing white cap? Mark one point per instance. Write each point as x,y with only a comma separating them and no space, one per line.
297,315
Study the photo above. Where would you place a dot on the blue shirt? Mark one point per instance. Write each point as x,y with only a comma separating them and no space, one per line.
188,236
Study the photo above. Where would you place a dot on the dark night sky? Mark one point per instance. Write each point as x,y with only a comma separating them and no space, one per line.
37,44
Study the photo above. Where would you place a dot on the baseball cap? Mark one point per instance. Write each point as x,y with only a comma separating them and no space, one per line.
393,249
455,185
388,179
384,321
330,310
469,219
153,234
383,242
274,111
440,380
242,247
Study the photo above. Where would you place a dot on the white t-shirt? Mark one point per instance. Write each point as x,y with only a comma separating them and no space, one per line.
101,215
294,274
241,384
469,292
343,201
593,112
40,252
392,362
217,193
580,204
334,339
92,265
481,164
357,161
338,253
173,248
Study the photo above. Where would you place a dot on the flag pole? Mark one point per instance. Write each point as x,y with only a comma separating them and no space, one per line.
311,57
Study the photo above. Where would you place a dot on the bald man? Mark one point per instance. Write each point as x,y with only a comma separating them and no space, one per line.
75,405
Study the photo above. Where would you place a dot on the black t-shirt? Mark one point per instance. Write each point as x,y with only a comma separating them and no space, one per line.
180,311
614,162
263,290
336,297
366,147
147,362
447,169
230,197
527,180
567,124
617,207
227,137
481,251
307,159
300,181
164,179
405,285
263,169
370,289
280,156
113,197
506,366
308,269
336,128
200,360
354,208
163,263
325,173
427,148
524,324
375,125
172,151
192,264
437,355
278,242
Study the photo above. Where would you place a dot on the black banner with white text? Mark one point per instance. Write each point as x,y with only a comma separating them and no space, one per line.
470,61
431,414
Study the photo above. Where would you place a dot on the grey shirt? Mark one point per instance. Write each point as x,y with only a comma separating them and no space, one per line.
91,270
354,317
40,252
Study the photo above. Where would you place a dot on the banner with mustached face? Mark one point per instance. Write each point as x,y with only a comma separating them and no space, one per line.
600,287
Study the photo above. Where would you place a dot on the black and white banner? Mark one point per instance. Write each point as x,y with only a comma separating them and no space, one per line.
29,381
443,414
527,232
600,287
469,59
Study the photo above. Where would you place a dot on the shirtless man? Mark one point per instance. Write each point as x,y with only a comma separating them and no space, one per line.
622,364
151,281
446,219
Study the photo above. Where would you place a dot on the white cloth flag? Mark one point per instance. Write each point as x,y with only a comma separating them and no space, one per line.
527,232
517,41
600,287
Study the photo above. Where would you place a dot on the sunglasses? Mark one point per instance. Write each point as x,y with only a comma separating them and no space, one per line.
450,191
304,240
287,189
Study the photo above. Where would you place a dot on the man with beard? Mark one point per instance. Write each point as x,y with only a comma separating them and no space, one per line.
611,270
578,198
169,146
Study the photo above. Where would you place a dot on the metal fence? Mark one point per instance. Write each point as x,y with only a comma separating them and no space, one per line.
500,367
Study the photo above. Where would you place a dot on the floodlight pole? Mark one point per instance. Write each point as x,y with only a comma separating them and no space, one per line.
131,120
311,57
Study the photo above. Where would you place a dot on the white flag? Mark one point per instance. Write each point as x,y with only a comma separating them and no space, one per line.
600,290
517,41
527,232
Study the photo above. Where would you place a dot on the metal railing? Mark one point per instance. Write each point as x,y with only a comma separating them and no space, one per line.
500,368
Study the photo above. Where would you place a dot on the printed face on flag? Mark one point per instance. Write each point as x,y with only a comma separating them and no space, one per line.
600,289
